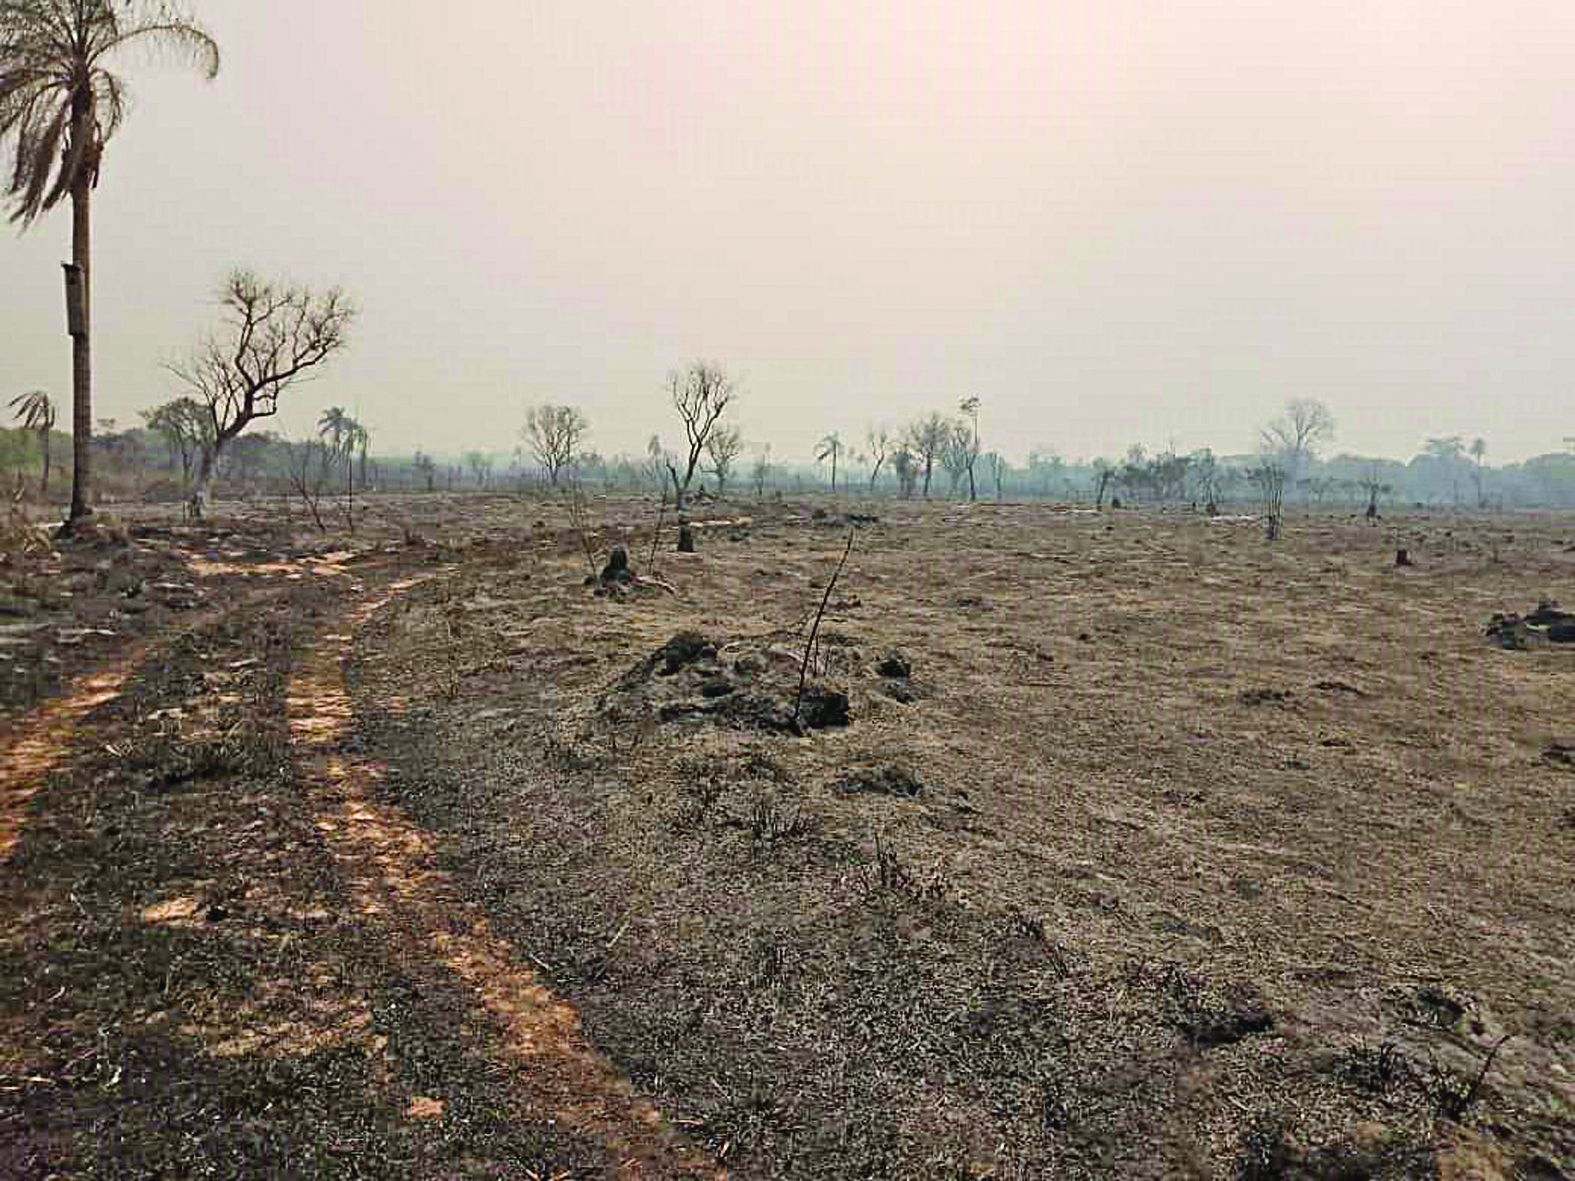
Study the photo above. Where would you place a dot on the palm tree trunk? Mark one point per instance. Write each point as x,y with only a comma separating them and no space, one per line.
43,484
82,352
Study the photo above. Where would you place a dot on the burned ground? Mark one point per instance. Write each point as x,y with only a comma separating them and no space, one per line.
1179,830
185,990
1144,850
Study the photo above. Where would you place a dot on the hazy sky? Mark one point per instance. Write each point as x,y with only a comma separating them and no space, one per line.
1111,221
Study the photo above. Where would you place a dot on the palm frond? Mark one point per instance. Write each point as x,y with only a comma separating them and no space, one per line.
52,55
183,39
34,410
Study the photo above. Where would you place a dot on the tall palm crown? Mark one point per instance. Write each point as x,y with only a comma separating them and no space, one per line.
337,427
58,98
61,104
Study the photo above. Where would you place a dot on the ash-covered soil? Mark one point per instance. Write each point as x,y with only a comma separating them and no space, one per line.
1145,849
1096,845
187,988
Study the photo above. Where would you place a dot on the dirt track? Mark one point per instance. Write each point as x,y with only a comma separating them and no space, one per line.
205,904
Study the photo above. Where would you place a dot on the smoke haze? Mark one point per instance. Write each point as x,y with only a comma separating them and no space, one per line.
1111,222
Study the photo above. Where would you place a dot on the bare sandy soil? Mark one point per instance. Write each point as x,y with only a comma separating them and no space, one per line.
1145,849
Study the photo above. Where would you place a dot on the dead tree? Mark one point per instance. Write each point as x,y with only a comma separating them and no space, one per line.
998,466
721,448
274,335
927,439
701,394
1269,478
553,435
312,464
970,409
1294,437
1374,486
761,471
425,468
879,442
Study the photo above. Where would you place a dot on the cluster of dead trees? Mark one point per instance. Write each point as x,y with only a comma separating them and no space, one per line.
936,440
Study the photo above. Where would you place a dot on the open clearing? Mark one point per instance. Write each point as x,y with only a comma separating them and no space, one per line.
1147,850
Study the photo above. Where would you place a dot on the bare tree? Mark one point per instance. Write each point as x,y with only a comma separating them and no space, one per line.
927,438
35,412
830,448
761,471
62,105
1293,439
722,447
425,468
273,336
955,456
311,467
1269,478
970,445
905,463
879,443
701,394
997,467
1373,484
553,434
1204,472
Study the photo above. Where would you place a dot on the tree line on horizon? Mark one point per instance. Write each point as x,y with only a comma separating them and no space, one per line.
175,442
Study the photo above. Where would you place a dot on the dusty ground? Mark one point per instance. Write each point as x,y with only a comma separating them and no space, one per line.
1173,855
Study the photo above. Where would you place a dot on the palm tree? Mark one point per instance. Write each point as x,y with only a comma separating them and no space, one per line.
343,434
830,448
363,441
36,412
61,104
335,425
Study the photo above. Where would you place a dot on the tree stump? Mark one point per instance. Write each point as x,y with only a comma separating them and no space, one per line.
617,568
686,539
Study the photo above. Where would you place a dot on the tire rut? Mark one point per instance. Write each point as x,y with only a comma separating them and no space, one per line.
389,865
41,741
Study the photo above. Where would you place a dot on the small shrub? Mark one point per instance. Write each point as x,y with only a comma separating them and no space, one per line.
1455,1094
700,799
770,822
890,875
1374,1069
